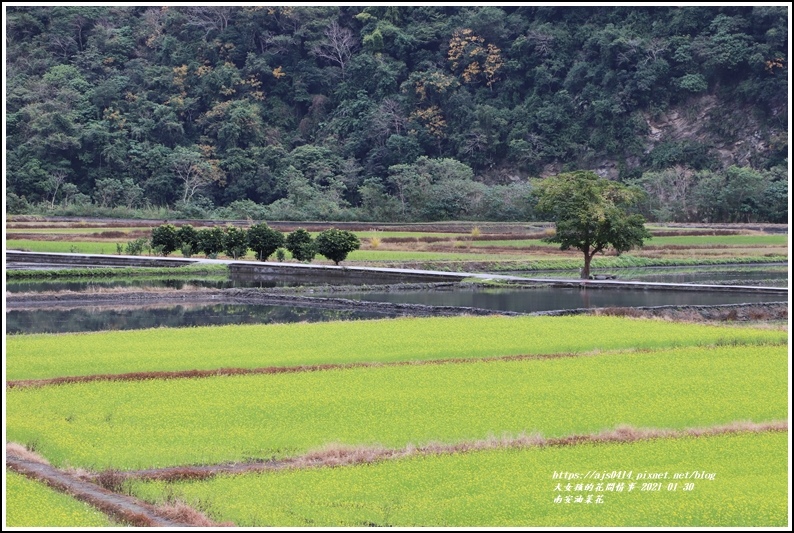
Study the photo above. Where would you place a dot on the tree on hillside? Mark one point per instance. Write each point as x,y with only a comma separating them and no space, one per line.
338,46
591,214
194,171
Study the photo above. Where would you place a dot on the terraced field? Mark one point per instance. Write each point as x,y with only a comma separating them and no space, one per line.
157,423
456,246
456,421
377,341
513,487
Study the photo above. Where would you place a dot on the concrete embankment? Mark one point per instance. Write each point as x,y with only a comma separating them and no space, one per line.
331,274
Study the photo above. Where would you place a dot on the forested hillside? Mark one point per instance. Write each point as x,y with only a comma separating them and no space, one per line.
393,113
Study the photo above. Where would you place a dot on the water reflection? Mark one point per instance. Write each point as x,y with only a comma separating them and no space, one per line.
766,275
146,283
550,299
169,315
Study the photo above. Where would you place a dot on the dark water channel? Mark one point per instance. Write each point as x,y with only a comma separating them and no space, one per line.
124,317
169,316
551,299
143,283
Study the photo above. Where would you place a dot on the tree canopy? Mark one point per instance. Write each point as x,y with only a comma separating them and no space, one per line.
338,112
592,214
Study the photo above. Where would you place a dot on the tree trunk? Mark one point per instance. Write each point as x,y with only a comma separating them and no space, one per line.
586,268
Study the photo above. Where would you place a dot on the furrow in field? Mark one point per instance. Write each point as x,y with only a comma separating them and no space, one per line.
335,455
730,479
158,423
121,507
194,374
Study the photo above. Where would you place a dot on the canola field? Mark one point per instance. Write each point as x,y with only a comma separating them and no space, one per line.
203,421
43,356
606,372
514,487
30,504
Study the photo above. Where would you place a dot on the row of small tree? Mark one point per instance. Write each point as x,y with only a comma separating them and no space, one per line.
235,242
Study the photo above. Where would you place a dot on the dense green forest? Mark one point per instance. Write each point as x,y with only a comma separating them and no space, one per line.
393,113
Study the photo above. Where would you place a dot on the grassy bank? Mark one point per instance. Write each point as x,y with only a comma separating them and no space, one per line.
107,272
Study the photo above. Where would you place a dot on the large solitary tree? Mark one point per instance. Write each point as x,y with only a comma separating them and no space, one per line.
592,214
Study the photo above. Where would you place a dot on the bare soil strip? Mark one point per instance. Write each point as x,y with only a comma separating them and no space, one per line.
231,371
340,455
192,374
120,507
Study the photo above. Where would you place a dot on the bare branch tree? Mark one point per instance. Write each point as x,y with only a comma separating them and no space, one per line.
338,46
542,41
194,171
57,178
387,119
209,18
655,47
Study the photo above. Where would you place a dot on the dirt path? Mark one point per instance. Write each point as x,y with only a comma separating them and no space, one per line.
120,507
193,374
340,455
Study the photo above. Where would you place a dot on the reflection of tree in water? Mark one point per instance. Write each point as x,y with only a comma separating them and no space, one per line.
174,316
585,297
81,284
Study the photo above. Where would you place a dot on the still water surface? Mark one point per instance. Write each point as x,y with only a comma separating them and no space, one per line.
550,299
170,316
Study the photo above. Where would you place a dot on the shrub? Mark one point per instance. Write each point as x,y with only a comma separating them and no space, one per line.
335,244
188,237
235,242
280,254
301,245
264,240
210,241
135,247
165,239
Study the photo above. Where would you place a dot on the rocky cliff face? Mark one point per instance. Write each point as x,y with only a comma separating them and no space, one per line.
733,135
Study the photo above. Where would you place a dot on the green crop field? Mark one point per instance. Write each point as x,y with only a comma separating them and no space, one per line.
404,339
409,234
82,247
82,232
726,240
513,487
684,240
32,504
515,243
191,421
417,255
206,270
